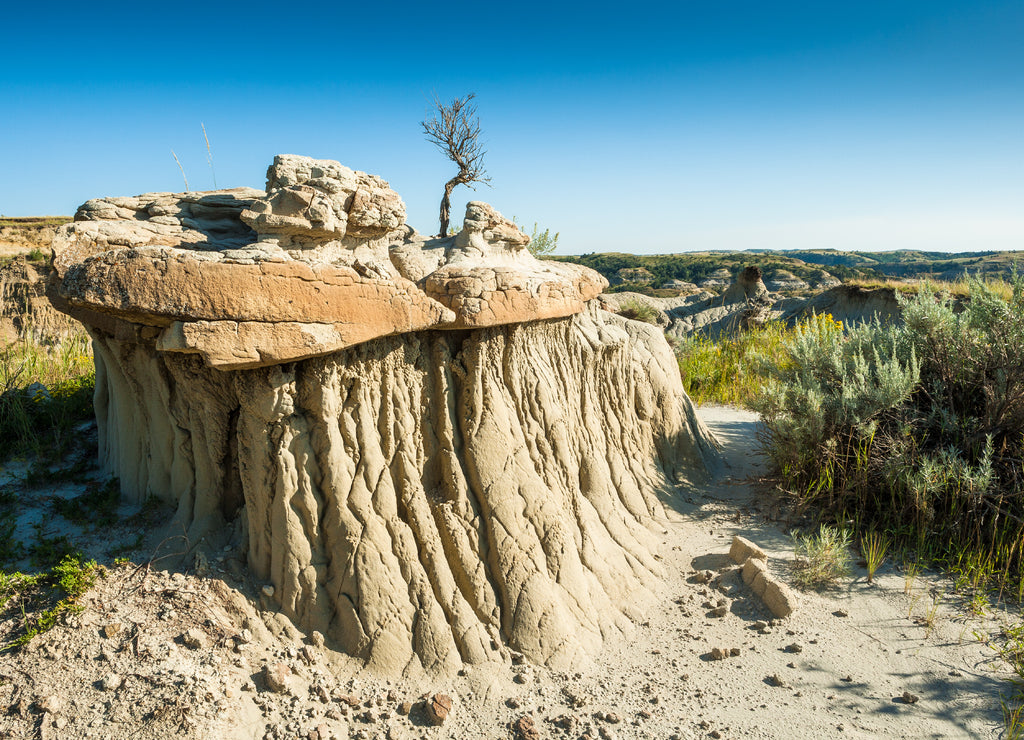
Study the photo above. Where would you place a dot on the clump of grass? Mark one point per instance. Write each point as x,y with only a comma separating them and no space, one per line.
874,546
42,598
1010,647
636,310
911,569
97,506
960,288
822,558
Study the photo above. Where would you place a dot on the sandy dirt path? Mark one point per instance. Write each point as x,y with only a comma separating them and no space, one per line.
844,658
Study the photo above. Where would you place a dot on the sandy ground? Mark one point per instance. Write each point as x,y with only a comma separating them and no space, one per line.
838,667
859,647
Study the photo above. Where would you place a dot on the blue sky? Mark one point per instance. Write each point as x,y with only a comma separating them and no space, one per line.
640,127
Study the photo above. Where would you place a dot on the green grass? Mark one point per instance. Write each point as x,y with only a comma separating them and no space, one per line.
46,383
873,547
732,370
1009,645
637,310
96,507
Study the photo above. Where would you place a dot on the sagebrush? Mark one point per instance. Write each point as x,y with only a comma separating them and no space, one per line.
917,429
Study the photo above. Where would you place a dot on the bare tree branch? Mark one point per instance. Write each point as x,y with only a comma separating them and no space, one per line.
455,130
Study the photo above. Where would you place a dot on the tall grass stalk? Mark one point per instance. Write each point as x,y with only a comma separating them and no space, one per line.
873,546
209,156
183,177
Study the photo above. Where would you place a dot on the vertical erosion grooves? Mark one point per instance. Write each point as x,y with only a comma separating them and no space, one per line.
428,499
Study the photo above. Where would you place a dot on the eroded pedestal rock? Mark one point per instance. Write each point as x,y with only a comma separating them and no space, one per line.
437,450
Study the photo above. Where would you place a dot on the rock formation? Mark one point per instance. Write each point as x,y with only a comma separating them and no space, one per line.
747,287
823,280
435,450
850,304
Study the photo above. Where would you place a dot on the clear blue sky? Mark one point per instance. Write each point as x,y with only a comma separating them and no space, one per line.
640,127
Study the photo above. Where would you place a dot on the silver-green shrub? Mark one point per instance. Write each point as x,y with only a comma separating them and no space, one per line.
916,427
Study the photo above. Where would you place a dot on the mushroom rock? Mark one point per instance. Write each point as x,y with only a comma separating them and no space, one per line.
436,450
748,286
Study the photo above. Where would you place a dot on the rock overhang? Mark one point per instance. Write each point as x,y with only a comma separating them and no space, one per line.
320,261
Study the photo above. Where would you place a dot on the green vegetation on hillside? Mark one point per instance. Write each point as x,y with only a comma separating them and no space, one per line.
805,264
696,266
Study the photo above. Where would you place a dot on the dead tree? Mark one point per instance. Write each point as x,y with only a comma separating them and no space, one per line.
455,130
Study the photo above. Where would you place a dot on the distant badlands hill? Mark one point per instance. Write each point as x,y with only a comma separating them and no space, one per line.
20,236
653,274
669,274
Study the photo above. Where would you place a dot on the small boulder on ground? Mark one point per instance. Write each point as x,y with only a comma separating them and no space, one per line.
525,728
438,708
742,549
277,677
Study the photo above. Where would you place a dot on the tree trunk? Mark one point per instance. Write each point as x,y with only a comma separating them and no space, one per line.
446,207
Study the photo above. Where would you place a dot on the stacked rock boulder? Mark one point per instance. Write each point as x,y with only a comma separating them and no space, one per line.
437,451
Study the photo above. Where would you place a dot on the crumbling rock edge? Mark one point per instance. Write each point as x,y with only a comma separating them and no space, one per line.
321,261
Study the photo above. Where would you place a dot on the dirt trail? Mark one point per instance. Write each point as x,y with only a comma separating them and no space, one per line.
855,651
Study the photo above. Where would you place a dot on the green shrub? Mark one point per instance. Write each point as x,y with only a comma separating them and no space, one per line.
39,600
822,558
542,243
917,429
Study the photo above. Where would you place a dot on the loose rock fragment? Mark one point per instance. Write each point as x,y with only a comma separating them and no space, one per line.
525,728
909,698
51,704
742,549
437,709
277,677
193,638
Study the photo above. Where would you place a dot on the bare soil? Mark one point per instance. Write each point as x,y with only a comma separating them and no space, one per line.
168,647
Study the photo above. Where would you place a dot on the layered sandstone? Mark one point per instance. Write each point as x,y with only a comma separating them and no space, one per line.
435,450
246,279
